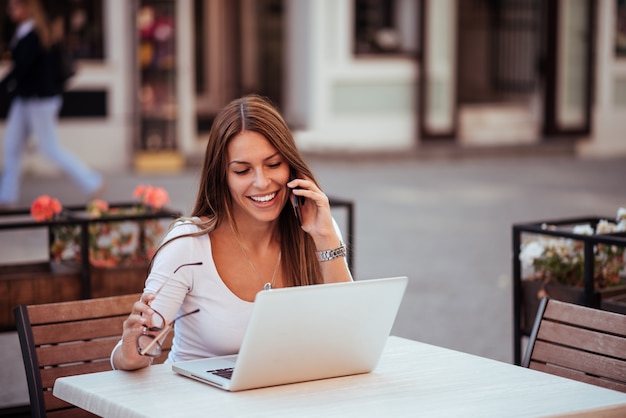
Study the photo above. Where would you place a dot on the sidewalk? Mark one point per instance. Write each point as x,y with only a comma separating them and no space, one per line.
445,224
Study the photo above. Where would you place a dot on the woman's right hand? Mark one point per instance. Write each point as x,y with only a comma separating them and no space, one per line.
126,357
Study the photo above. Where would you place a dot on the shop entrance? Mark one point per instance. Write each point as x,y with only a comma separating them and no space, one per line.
238,50
500,71
522,70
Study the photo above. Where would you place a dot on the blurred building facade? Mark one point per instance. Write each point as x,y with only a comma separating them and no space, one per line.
349,75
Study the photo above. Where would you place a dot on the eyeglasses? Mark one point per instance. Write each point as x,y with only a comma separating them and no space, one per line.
149,344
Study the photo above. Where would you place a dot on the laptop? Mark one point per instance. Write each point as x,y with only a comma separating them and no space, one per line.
306,333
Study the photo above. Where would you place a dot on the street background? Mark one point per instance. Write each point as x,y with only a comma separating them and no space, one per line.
443,222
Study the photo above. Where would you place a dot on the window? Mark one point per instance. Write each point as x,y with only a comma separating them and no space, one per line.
384,27
158,98
82,25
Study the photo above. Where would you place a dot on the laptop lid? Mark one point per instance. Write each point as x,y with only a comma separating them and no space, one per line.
307,333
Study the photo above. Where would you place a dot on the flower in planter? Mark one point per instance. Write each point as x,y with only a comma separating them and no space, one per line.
114,243
96,208
67,237
621,218
561,260
111,242
45,208
153,197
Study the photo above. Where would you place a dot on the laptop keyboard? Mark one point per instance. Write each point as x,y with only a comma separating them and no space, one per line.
225,373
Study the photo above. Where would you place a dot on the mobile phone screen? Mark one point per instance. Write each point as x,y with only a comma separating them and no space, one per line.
295,200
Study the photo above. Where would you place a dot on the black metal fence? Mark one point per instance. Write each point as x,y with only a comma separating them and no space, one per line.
591,296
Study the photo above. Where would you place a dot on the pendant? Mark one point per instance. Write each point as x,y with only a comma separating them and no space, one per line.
267,286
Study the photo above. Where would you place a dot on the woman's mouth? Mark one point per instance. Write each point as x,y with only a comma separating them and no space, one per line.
264,199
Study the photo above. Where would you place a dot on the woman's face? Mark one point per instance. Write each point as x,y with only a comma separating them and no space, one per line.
257,178
17,11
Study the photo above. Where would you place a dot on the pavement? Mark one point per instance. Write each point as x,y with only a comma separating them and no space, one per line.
443,222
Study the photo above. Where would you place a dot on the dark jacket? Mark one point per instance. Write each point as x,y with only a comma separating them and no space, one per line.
35,72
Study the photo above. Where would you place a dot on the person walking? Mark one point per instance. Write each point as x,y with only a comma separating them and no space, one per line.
36,84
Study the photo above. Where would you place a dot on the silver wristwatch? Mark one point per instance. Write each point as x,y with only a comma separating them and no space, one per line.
328,255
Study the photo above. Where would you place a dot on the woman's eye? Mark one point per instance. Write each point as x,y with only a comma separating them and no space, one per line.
275,165
241,172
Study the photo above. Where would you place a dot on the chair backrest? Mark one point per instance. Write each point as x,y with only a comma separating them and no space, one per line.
579,343
69,338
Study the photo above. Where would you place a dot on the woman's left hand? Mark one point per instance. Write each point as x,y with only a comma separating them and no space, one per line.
318,222
316,216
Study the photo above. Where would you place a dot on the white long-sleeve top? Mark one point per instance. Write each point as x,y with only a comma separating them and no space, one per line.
218,328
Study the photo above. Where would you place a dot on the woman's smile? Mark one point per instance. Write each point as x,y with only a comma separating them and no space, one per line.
257,177
264,199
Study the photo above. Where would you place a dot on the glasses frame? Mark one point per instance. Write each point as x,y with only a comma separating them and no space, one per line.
156,343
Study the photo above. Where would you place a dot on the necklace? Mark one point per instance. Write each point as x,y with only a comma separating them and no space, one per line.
268,285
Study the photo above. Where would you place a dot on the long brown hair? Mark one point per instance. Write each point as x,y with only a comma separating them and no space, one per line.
214,202
42,26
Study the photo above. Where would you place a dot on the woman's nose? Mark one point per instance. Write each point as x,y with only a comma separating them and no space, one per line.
262,180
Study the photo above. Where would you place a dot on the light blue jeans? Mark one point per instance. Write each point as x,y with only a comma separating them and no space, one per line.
38,116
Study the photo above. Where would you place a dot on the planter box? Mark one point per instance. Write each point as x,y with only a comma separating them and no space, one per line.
35,283
530,298
77,278
114,281
615,303
53,282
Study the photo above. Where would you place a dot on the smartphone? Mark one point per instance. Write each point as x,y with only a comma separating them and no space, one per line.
296,201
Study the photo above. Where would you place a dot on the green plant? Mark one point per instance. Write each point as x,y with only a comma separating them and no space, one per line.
561,260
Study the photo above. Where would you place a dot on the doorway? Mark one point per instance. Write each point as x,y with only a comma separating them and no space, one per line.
238,50
500,72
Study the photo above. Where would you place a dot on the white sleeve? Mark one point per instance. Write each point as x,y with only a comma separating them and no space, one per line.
172,256
118,345
349,249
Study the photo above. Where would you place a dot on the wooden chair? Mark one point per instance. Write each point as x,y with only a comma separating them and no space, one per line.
579,343
69,338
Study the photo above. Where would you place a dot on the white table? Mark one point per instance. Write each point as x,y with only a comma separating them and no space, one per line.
412,379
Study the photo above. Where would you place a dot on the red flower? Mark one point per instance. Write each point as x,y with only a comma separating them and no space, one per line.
155,197
44,208
140,191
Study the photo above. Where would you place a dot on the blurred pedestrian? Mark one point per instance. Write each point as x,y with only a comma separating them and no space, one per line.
37,85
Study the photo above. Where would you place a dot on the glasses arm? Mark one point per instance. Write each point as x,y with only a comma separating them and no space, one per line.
199,263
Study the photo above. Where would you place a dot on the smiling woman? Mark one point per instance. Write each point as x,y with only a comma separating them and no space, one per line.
244,231
257,177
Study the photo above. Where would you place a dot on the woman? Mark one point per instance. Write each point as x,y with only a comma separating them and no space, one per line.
34,79
243,237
